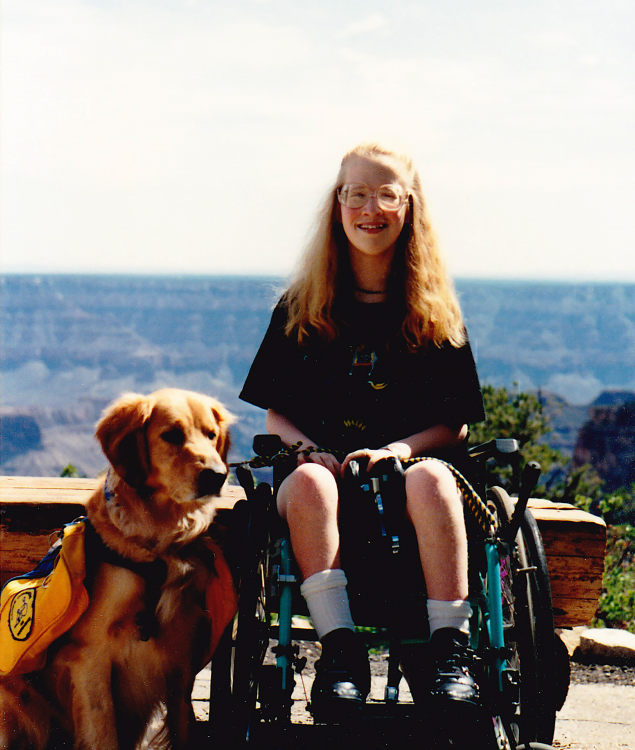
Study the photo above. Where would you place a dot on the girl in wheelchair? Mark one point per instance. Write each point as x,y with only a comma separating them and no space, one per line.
366,356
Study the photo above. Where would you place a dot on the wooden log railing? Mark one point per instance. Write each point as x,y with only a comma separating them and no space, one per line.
32,508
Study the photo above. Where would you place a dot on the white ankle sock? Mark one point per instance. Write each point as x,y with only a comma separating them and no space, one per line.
454,614
327,600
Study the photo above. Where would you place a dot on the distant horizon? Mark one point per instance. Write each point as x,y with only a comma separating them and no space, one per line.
190,275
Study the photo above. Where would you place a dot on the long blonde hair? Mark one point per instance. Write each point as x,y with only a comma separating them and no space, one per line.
432,312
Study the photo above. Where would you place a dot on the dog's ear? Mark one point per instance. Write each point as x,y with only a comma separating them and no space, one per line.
224,420
122,434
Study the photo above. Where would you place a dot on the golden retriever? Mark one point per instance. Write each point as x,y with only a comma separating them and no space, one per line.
136,650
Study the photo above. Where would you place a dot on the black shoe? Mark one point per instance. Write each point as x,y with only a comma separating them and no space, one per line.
342,678
453,669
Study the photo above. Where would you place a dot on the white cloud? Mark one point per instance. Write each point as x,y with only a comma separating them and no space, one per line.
201,136
553,39
372,22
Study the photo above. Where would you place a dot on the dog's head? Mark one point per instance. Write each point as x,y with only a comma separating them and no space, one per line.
170,445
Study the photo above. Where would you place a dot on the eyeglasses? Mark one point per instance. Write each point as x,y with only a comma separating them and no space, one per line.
389,197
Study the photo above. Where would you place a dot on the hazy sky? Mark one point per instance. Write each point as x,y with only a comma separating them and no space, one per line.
200,136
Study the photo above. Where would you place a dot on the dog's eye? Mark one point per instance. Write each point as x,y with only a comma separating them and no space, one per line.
211,435
175,436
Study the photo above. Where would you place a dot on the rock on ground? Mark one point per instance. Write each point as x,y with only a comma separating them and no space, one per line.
607,646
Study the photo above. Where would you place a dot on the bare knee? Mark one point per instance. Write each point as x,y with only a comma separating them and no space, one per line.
431,484
311,488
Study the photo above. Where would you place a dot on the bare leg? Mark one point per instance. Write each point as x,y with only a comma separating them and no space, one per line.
435,508
308,501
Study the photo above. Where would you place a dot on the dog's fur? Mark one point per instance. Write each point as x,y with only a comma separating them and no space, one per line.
103,682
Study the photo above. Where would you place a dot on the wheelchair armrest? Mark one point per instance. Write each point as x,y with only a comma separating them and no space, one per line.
267,445
501,449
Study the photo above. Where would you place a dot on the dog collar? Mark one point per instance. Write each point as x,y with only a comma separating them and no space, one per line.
108,493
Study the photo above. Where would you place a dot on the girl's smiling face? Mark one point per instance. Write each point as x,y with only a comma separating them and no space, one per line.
371,230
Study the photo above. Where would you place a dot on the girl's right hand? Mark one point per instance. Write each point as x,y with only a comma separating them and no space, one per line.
278,424
327,460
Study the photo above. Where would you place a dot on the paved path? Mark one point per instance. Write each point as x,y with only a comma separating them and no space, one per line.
597,717
594,717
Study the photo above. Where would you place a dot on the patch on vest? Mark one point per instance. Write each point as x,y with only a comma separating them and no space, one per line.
22,615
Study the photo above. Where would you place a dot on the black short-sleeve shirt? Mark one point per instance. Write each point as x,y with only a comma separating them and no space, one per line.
366,388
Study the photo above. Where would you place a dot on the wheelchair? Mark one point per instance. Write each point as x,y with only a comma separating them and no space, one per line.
522,673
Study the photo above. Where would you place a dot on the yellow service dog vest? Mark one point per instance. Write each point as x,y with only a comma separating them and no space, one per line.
39,607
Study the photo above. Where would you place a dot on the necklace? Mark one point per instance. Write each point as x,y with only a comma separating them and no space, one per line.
369,291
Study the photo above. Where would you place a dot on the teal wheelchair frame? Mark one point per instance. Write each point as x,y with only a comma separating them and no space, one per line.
523,672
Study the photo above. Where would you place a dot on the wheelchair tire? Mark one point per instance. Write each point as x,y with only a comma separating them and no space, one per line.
551,670
528,617
251,627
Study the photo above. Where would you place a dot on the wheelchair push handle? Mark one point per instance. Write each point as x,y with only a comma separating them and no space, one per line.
501,449
528,482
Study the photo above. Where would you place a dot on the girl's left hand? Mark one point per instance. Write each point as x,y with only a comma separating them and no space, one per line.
367,453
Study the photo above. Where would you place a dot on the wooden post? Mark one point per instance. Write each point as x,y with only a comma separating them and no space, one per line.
575,543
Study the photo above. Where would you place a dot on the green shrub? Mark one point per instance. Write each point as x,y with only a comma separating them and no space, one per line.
70,470
616,608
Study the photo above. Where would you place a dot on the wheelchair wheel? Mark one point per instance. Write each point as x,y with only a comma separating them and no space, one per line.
552,659
528,714
251,627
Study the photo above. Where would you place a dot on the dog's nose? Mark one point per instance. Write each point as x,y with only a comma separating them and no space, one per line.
210,482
